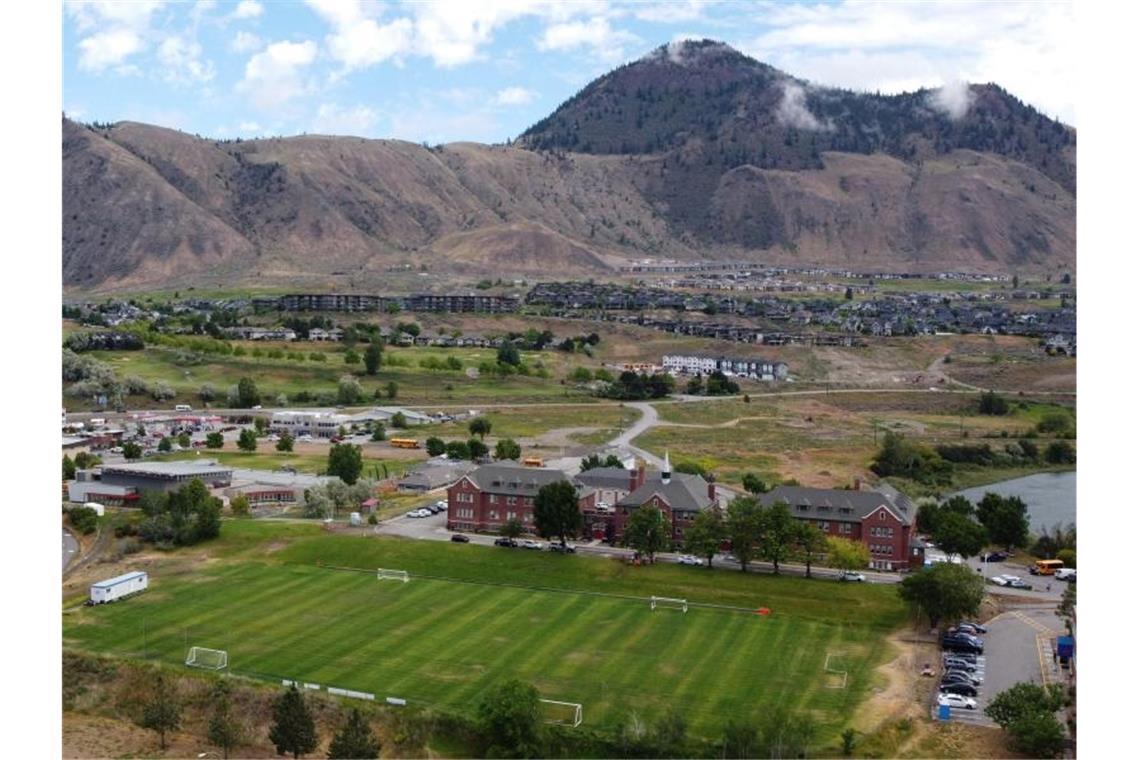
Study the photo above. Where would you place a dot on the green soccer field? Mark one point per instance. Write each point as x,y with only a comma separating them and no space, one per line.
441,642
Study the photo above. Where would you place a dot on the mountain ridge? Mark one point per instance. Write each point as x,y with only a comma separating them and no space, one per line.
693,152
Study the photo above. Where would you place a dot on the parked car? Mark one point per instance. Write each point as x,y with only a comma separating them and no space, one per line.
1018,583
459,538
531,544
412,513
1066,574
961,675
965,628
958,687
960,643
557,547
510,543
688,559
994,557
848,575
957,663
442,505
976,626
957,701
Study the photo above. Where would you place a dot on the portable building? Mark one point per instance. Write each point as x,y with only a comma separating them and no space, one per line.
117,588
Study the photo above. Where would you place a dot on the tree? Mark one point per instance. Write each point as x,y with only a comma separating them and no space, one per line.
809,541
68,468
476,448
695,386
457,450
704,537
510,717
184,440
247,395
435,446
556,511
753,484
847,554
958,534
669,733
993,404
292,729
776,541
247,440
207,393
285,442
224,730
260,426
345,462
849,293
509,354
1006,520
214,440
1068,556
351,357
512,528
1037,735
239,505
944,591
378,432
1023,699
391,389
745,526
479,426
355,739
739,740
162,712
848,737
131,450
373,355
1060,452
348,391
399,421
594,461
647,531
83,519
507,448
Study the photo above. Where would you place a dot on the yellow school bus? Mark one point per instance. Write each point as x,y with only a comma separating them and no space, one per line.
1048,566
532,462
404,443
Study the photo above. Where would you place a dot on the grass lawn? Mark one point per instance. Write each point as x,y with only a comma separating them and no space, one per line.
441,640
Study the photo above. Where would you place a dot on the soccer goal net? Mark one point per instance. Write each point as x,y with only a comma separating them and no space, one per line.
383,574
210,659
668,603
562,713
835,671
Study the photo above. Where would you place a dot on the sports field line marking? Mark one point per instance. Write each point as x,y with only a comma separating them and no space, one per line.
551,589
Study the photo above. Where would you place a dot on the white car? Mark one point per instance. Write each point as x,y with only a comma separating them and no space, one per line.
688,559
529,544
441,504
848,575
958,701
1005,580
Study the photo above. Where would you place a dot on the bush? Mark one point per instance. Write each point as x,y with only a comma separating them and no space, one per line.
83,519
1060,452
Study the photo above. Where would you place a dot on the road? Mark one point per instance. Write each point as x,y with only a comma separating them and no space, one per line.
70,548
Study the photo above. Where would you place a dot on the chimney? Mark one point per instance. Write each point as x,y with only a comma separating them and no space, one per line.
712,492
858,484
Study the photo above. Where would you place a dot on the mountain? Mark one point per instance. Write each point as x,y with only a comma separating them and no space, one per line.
692,152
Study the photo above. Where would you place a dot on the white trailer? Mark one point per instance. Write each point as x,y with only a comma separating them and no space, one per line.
117,588
95,506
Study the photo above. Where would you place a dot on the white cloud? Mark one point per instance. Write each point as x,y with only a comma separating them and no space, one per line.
182,62
245,42
274,76
93,14
247,9
608,43
953,99
332,119
793,110
109,48
249,127
367,43
1025,47
670,12
514,96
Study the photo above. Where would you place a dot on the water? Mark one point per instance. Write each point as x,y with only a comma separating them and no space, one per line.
1051,496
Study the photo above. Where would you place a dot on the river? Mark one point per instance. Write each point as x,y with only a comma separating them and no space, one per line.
1051,497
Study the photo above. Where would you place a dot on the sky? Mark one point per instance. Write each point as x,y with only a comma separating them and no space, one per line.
445,70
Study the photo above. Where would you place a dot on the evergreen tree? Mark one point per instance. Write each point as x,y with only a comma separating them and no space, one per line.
355,739
162,712
345,462
225,730
556,512
372,357
247,440
293,729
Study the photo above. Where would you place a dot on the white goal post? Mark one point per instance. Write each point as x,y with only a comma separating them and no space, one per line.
668,603
832,669
384,574
209,659
563,713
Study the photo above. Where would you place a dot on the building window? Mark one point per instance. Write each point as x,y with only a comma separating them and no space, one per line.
824,526
511,501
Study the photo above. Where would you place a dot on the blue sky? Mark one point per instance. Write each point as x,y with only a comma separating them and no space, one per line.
484,71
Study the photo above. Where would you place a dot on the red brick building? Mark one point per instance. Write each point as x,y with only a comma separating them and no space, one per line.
882,519
679,496
487,497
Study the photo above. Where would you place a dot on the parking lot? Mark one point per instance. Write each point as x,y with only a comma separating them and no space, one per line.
1018,647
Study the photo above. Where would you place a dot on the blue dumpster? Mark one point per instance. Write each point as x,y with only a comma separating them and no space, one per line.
1065,646
943,712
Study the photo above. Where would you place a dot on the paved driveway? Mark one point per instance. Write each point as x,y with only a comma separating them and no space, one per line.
70,549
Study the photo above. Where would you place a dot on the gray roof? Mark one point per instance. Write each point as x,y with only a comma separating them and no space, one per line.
683,492
436,474
605,477
833,503
513,479
190,467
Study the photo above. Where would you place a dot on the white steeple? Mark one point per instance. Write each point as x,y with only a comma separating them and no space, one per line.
667,472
